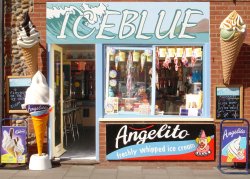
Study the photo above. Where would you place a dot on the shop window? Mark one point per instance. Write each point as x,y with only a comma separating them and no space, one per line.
156,80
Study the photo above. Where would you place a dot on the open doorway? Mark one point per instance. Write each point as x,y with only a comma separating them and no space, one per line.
74,86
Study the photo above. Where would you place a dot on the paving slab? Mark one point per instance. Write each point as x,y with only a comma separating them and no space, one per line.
155,177
154,171
103,176
184,171
79,171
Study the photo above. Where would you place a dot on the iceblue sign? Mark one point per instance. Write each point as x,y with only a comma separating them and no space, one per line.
122,22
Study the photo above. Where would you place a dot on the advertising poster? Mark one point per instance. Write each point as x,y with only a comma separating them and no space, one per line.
13,144
234,141
160,142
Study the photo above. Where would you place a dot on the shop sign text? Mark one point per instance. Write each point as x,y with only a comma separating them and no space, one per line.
111,22
160,142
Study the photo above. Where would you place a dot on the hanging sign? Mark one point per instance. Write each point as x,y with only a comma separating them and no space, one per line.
122,22
160,141
229,102
14,144
234,144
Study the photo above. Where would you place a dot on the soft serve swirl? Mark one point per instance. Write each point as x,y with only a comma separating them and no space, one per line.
230,25
38,92
28,35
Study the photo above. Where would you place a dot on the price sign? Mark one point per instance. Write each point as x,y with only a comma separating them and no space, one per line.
17,87
229,102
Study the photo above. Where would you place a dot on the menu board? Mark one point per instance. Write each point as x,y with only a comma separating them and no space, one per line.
229,102
16,89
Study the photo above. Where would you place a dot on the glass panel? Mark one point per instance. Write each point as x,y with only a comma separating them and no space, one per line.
179,80
128,80
57,90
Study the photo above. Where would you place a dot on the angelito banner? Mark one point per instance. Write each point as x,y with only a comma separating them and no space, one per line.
160,142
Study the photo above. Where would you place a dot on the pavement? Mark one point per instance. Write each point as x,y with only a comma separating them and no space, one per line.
118,172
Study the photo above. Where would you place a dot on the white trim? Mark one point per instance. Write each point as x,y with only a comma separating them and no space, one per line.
176,119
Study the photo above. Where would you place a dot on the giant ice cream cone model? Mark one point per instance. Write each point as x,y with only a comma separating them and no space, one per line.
232,33
40,126
28,40
38,103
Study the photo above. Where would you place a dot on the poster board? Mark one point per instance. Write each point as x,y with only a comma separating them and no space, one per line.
228,102
234,144
16,89
16,135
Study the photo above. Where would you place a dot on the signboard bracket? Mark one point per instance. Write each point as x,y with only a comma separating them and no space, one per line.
243,124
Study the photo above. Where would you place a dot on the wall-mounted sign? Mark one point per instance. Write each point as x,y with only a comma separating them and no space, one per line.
16,89
228,102
122,22
14,144
160,141
234,144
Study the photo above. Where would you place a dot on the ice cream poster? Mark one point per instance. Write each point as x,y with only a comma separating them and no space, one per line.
160,142
13,144
234,141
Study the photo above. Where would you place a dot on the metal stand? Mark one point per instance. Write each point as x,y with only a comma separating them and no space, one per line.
21,129
235,169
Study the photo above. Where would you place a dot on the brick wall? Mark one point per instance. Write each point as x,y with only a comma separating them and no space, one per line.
218,11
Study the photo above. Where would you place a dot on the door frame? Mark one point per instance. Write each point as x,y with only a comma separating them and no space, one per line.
99,71
55,151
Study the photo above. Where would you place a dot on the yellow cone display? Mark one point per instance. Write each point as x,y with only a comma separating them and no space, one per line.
230,157
30,55
40,124
229,52
11,151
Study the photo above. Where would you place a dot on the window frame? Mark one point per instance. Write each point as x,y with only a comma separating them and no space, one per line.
205,83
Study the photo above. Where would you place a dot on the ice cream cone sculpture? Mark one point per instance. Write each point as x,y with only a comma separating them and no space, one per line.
40,126
28,40
37,103
232,34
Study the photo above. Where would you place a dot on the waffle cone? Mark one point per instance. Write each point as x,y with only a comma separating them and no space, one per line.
230,157
11,151
40,124
229,52
31,58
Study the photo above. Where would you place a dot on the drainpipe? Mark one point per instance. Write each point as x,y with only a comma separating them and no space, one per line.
1,60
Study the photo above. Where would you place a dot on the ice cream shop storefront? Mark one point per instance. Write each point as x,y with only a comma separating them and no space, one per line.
137,77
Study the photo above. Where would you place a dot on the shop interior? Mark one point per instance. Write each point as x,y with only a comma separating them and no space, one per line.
177,77
78,101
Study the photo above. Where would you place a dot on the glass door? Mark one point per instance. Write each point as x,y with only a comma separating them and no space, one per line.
56,78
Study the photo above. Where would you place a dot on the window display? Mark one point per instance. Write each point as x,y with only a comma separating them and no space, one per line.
128,81
175,71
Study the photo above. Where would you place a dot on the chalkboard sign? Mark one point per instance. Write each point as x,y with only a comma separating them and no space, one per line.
229,102
16,89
